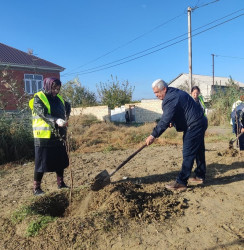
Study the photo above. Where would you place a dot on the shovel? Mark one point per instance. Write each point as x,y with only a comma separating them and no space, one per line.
233,140
103,179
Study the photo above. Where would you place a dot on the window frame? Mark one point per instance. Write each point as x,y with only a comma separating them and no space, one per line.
32,81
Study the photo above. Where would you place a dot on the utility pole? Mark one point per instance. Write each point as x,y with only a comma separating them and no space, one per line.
213,66
189,47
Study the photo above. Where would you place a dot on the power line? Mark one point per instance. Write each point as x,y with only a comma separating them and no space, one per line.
203,5
234,57
129,42
138,37
94,69
162,47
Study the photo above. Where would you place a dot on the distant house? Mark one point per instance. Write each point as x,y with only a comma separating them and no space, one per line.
205,83
22,73
150,110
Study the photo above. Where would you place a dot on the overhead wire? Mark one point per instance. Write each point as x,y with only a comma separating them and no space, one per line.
153,46
234,57
84,73
102,67
138,37
203,5
162,47
129,42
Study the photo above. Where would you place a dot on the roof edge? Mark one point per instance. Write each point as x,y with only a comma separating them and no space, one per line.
60,69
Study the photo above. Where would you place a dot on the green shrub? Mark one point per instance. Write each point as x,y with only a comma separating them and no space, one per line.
222,101
16,139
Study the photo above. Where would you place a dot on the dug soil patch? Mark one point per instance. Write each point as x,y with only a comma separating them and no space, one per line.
135,211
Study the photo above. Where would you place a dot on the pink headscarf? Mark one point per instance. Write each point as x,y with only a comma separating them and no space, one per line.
48,82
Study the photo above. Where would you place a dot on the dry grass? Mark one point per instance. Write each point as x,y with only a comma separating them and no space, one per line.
87,134
106,136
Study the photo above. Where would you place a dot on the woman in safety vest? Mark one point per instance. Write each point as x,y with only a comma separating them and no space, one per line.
49,121
195,93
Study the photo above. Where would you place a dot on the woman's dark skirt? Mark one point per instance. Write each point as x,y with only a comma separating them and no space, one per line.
50,159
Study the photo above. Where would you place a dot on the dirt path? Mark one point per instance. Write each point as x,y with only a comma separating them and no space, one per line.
135,211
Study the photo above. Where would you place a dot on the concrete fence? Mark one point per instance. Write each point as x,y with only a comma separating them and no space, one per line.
145,111
101,112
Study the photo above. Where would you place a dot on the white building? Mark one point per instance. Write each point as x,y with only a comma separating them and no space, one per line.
205,83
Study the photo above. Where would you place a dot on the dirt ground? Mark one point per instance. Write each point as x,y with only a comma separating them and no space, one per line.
135,211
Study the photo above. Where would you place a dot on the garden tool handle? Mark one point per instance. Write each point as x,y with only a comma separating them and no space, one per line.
237,137
129,158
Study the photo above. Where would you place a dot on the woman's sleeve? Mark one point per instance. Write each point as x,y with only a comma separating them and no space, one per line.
67,109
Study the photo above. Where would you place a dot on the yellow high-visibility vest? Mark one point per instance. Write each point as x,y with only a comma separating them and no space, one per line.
202,103
41,129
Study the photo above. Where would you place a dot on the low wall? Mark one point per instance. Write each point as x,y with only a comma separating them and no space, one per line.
101,112
148,111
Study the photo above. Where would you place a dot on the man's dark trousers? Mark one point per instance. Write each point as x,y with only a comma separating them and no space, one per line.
193,148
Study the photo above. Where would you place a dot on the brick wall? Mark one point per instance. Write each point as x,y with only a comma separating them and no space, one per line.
10,99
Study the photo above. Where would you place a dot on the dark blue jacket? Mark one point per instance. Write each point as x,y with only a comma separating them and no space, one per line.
180,109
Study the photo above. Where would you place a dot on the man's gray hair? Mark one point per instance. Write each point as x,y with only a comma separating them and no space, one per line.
160,84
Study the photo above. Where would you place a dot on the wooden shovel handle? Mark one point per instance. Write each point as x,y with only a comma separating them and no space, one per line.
129,158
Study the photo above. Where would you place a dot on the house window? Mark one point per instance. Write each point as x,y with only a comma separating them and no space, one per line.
33,83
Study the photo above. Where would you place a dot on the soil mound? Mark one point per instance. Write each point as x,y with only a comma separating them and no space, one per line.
110,210
130,200
228,152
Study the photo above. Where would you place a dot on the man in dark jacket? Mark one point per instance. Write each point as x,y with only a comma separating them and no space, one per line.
237,116
180,110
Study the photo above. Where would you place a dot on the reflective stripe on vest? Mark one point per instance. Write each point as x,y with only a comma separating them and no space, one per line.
201,100
202,103
41,129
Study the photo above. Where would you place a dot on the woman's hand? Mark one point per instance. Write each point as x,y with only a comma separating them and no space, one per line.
61,122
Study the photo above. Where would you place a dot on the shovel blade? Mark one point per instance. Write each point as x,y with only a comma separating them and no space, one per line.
101,180
231,142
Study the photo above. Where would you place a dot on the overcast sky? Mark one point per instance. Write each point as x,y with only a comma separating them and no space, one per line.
135,40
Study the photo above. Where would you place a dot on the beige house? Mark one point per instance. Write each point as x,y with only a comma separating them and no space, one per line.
205,83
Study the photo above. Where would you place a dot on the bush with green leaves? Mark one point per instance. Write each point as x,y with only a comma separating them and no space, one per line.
77,95
222,101
16,139
115,93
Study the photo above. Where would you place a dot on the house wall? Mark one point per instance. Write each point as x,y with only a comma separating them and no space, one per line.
205,83
11,99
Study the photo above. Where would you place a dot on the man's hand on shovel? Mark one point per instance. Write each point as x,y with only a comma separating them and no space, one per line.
231,142
150,139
